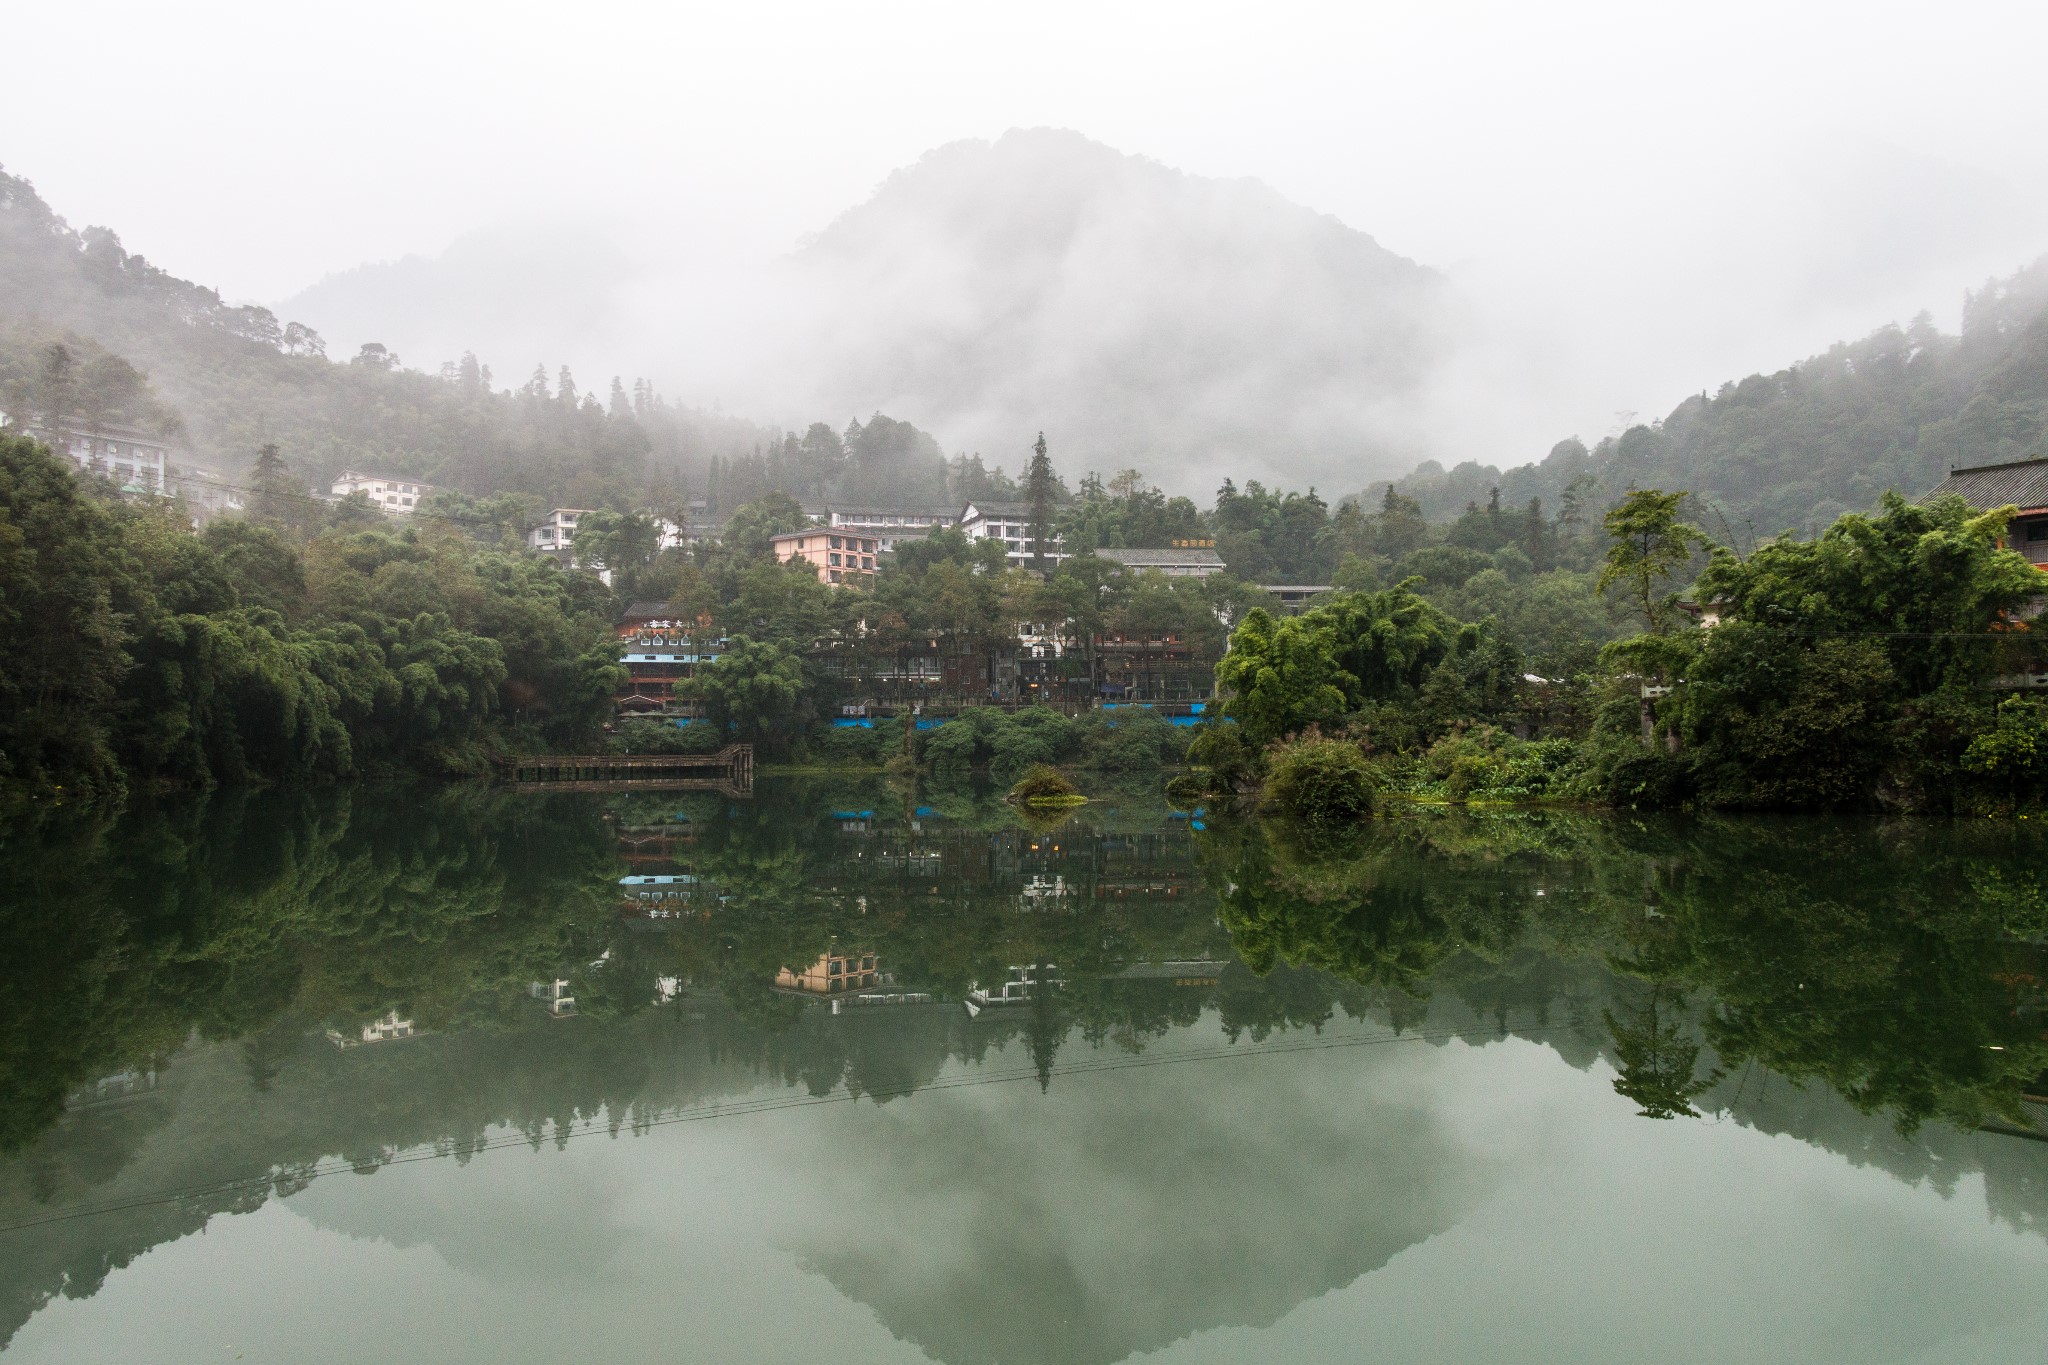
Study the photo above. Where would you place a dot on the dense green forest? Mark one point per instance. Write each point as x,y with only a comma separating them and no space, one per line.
1796,449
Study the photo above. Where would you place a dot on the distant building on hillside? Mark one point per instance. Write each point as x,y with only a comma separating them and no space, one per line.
888,525
1010,523
129,457
398,497
555,533
659,649
1191,559
206,491
2022,484
1295,598
837,558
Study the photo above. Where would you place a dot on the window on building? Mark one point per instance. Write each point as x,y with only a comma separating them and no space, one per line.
834,559
835,545
835,575
867,562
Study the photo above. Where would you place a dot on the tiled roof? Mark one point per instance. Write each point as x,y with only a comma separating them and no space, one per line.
888,510
1150,559
2023,483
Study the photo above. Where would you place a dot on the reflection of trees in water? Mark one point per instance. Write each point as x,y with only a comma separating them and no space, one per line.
1844,952
221,914
1707,961
1657,1052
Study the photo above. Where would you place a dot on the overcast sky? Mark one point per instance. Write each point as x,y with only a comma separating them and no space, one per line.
1639,200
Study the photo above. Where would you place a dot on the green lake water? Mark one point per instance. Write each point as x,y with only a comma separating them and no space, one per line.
839,1073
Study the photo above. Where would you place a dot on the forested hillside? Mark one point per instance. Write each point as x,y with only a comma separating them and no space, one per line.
1796,449
166,353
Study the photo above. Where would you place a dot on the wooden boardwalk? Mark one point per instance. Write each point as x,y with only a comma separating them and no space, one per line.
730,770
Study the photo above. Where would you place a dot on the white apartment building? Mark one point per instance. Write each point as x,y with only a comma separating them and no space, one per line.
1010,523
398,497
887,524
555,533
128,456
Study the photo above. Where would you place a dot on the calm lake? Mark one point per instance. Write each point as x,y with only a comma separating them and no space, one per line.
837,1073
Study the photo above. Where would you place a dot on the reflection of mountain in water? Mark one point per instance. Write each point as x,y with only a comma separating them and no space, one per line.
1135,1209
1137,1212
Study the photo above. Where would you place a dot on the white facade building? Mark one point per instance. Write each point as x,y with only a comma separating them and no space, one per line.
398,497
1179,561
128,456
1010,523
556,532
887,524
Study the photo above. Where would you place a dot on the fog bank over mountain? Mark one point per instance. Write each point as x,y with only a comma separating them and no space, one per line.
1197,328
535,292
1140,316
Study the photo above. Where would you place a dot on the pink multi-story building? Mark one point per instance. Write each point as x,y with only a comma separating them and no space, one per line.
839,558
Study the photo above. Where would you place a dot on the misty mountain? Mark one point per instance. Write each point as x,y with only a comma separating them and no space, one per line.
1796,449
228,378
1196,328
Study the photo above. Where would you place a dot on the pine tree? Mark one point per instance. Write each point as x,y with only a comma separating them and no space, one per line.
1038,483
276,500
58,379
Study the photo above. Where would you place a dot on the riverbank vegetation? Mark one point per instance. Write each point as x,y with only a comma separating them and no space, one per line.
1872,667
140,652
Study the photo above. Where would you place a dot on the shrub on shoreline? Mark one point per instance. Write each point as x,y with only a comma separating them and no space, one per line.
1321,782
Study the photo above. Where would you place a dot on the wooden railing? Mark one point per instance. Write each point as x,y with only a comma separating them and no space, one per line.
730,770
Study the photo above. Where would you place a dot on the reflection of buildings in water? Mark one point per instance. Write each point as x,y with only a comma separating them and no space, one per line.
654,843
1199,972
1041,891
835,973
671,895
555,996
389,1029
1016,988
871,999
938,860
122,1085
